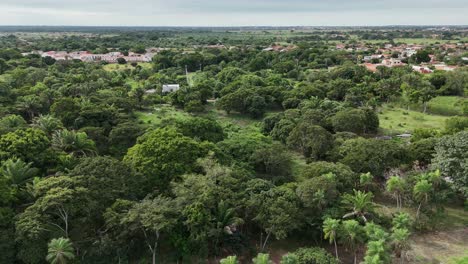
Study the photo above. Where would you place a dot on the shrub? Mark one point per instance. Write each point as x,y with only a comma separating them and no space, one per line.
314,255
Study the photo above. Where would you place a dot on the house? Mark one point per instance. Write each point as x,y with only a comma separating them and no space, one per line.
168,88
392,62
422,69
372,57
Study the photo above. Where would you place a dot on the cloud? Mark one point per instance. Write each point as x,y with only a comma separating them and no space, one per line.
232,13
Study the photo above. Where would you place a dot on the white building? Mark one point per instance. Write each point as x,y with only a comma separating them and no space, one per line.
168,88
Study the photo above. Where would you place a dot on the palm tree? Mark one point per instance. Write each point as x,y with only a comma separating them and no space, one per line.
47,123
365,179
421,193
352,235
60,251
400,242
17,171
395,186
229,260
262,259
360,203
74,143
330,230
401,220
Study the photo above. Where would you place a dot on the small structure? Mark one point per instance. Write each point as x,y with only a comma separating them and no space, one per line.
404,135
168,88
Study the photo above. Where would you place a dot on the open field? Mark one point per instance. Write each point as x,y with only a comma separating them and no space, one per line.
398,120
447,105
159,113
121,67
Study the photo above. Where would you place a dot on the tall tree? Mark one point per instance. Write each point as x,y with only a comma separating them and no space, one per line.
396,186
330,231
352,236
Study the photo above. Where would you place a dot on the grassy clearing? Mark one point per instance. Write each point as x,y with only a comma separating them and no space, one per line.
398,120
440,247
448,244
128,66
447,105
159,113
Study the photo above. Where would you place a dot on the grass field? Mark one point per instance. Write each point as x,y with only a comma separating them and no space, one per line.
447,105
155,116
121,67
398,120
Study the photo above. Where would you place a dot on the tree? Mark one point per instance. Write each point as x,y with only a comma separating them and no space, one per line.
377,252
330,231
74,143
164,154
372,155
60,251
396,186
421,56
277,211
47,123
401,221
352,235
318,192
17,172
121,61
273,162
417,90
152,217
421,192
358,121
30,145
313,141
400,242
11,123
344,177
360,204
450,158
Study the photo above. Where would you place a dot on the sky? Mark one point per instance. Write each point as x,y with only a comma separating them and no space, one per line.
233,12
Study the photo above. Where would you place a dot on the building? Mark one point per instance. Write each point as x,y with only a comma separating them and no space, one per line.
422,69
168,88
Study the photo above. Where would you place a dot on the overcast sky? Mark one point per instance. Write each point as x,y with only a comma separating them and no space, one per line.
233,12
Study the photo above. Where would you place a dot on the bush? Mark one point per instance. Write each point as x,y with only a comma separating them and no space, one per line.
314,255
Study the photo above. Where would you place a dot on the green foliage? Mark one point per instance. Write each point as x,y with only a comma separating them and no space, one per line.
372,155
74,143
450,158
262,259
356,120
289,259
456,124
314,255
60,251
345,178
164,154
30,145
11,123
360,204
313,141
229,260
